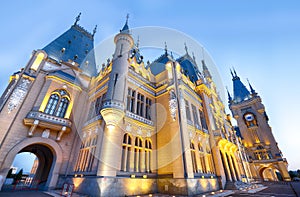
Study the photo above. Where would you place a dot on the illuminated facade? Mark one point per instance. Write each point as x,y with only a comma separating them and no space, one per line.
266,159
127,129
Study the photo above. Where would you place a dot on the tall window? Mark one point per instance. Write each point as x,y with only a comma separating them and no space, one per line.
148,109
210,160
58,103
187,110
202,159
138,146
148,152
193,155
203,120
131,100
140,104
126,152
95,107
86,158
195,115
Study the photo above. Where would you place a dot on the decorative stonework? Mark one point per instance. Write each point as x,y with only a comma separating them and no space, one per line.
46,133
172,104
18,95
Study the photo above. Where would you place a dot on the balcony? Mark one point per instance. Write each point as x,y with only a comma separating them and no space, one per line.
39,119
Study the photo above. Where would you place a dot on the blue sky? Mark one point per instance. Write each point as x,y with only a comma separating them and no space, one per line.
259,38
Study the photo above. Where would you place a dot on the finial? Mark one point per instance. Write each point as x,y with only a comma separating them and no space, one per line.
127,17
194,58
185,48
231,73
138,42
77,18
251,88
166,48
95,30
229,96
234,72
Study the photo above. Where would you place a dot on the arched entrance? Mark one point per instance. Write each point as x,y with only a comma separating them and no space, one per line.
270,173
49,154
45,158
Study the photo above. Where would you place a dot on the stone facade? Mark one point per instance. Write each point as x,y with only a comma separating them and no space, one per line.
128,129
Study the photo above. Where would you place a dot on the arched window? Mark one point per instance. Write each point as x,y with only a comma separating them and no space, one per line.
126,152
202,159
193,155
211,168
52,104
138,146
58,103
148,152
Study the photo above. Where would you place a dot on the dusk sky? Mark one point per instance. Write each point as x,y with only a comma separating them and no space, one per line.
260,39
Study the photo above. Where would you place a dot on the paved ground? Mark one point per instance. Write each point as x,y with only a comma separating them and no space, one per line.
273,190
24,194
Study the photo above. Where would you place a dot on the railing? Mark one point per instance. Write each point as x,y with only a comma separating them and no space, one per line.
139,118
48,118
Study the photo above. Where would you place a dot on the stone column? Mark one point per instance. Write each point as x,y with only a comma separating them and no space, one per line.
226,165
231,167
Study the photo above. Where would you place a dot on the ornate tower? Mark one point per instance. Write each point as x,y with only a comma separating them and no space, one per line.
114,104
266,160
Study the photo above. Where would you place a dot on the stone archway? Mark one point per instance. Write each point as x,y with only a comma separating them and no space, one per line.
48,152
268,173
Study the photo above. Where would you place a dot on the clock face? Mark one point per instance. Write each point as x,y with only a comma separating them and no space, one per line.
249,117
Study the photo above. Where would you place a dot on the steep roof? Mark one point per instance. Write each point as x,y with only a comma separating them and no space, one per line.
158,65
189,67
240,92
75,44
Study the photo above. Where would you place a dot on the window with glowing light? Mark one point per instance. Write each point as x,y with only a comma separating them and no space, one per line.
58,103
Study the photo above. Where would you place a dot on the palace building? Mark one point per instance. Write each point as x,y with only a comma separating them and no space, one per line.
132,127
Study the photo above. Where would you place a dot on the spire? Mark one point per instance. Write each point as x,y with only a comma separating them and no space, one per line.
186,49
77,19
251,88
229,96
206,72
138,42
240,91
125,29
166,48
231,73
94,31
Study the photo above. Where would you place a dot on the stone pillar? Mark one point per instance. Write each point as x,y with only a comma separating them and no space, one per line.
231,167
237,168
226,165
284,172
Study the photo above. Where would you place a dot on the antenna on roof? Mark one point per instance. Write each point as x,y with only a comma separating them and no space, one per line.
77,18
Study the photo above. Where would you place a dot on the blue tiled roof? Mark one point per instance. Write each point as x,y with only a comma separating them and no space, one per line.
240,92
189,67
75,44
158,65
